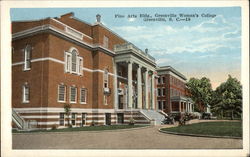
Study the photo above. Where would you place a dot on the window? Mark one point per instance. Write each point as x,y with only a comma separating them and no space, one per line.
105,42
164,105
105,79
73,93
84,118
83,95
27,57
163,80
163,91
26,93
80,65
159,105
61,119
73,62
61,93
159,92
73,119
159,80
105,100
171,92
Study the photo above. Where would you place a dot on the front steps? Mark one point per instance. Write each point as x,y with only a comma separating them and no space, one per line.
18,121
153,115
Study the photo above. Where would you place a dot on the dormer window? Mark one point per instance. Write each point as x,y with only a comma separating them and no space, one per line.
73,62
27,57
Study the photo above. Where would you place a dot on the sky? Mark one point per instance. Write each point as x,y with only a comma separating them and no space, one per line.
207,43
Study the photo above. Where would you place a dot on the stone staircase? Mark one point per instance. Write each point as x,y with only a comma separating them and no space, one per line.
20,123
153,115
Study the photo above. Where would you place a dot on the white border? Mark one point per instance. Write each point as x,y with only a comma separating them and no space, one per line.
6,138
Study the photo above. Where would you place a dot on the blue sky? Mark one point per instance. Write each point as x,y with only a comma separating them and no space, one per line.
203,46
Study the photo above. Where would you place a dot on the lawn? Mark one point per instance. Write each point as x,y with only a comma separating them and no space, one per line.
233,129
86,128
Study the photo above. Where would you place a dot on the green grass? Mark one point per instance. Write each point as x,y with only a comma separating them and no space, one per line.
233,129
86,128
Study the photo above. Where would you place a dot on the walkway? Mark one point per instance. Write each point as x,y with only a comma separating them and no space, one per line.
140,138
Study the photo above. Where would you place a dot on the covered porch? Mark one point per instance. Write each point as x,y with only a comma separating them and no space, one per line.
181,104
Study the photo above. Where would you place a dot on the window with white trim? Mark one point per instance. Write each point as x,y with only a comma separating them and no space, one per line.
105,79
84,116
73,94
73,62
105,100
61,93
80,65
27,57
26,93
105,42
73,119
61,119
67,62
163,80
83,95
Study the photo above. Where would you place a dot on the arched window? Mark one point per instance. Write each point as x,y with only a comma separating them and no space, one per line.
27,57
73,62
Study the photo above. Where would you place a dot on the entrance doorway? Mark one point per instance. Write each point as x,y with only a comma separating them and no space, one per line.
120,102
120,118
107,118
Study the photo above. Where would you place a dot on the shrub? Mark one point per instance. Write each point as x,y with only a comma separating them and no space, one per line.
54,127
131,121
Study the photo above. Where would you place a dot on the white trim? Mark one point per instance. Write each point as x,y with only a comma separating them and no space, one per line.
41,116
65,93
71,28
55,110
24,88
63,62
61,32
27,60
86,92
73,102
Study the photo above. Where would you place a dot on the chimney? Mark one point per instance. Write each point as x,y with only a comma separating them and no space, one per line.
98,18
146,50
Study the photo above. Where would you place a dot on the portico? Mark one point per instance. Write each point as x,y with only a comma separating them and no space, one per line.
135,77
181,104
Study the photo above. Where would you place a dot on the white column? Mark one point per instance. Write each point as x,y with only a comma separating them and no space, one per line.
139,89
130,90
146,88
188,107
115,86
153,91
180,106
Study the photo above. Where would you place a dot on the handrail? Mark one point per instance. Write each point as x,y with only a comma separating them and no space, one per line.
18,119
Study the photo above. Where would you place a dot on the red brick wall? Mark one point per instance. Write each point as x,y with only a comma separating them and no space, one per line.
37,77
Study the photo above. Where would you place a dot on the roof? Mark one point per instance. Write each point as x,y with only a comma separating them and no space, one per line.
169,68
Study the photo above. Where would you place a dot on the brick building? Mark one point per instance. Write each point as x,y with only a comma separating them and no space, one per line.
172,92
64,60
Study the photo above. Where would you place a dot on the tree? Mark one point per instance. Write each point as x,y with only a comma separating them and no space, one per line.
200,91
228,98
67,110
